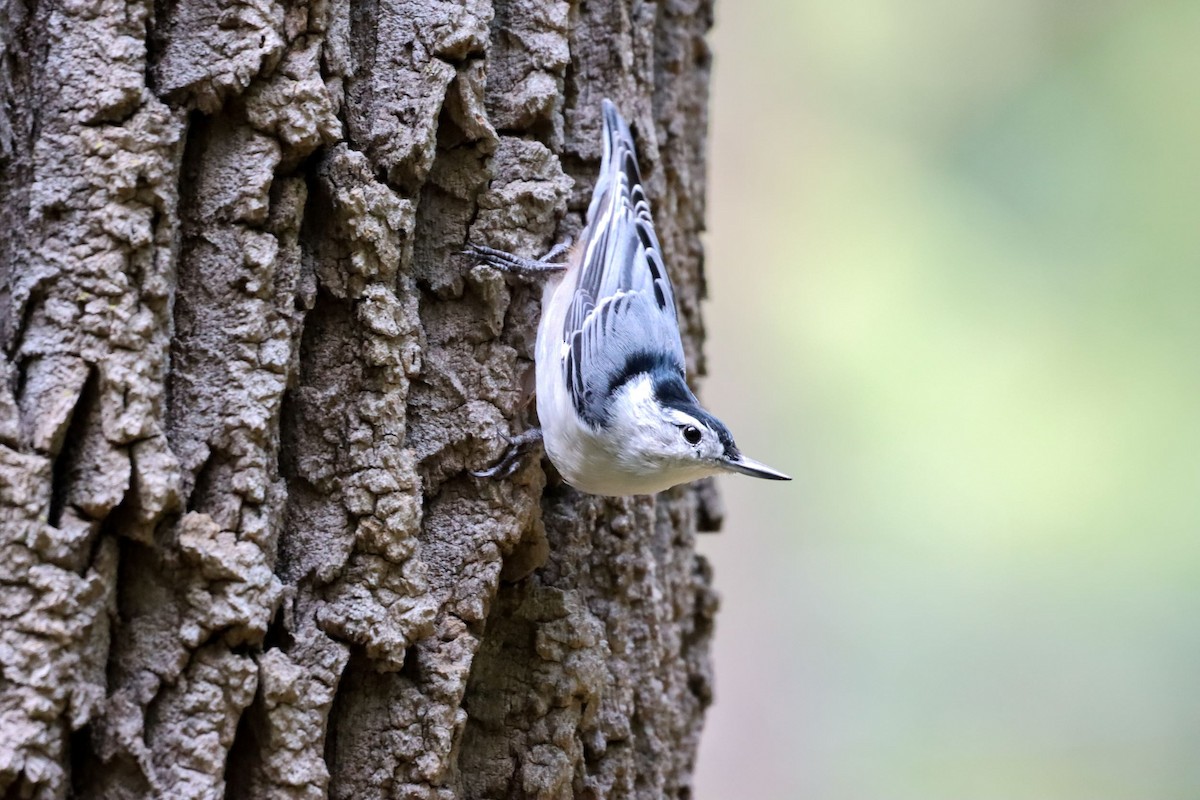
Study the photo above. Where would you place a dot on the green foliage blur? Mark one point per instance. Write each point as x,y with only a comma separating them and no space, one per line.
954,260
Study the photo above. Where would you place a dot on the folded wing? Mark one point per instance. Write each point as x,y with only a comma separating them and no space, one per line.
621,320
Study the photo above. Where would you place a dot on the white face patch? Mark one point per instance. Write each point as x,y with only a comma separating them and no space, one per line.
677,417
637,398
654,434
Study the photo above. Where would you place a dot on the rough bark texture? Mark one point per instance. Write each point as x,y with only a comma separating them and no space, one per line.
246,371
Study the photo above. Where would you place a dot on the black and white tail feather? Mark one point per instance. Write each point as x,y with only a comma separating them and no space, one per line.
616,412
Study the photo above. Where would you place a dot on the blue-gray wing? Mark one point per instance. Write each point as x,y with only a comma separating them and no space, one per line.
621,319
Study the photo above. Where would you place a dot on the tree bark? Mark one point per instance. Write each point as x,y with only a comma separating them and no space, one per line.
246,373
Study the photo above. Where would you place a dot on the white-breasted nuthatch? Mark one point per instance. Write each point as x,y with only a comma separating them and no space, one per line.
617,416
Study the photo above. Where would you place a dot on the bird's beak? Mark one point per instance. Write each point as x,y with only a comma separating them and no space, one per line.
755,469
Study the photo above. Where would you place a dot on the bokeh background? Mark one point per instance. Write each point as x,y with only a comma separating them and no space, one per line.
954,259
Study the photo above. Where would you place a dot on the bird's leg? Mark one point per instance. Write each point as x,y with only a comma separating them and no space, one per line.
507,262
507,465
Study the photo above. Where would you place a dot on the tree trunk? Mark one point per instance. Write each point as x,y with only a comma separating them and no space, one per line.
246,373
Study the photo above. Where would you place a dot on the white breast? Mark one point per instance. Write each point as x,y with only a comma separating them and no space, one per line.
579,455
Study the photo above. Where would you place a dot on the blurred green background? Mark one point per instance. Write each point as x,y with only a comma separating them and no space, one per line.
954,259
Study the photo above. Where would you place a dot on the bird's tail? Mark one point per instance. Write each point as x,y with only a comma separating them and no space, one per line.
618,156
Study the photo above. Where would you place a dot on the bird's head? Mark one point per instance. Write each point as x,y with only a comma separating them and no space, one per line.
668,433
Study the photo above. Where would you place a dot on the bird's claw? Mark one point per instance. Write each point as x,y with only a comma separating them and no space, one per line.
511,459
507,262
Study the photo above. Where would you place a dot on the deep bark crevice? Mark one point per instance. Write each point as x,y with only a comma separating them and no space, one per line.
244,754
68,454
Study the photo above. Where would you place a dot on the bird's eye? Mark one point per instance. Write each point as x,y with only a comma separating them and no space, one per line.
691,434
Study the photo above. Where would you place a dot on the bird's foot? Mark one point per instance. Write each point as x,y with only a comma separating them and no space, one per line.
517,446
528,267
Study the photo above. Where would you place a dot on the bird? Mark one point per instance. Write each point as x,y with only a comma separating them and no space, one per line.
616,413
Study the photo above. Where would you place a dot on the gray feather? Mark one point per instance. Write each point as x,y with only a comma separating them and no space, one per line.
622,315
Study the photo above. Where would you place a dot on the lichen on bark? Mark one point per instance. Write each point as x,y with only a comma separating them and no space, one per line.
246,372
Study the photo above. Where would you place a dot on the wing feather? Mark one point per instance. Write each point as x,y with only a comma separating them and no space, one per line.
622,314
